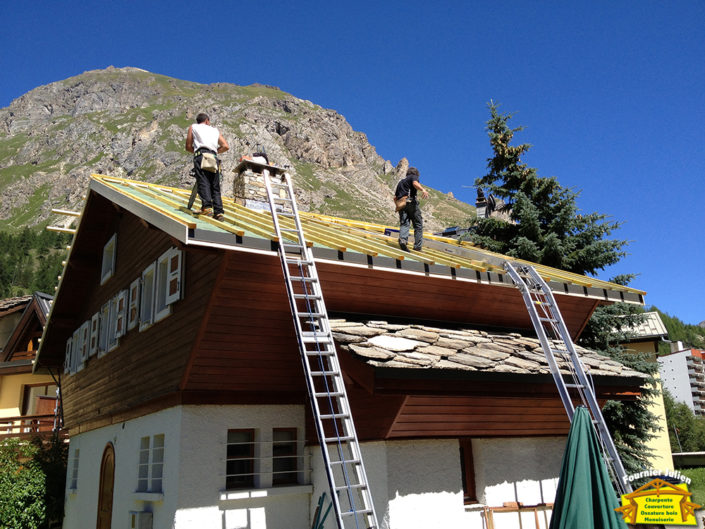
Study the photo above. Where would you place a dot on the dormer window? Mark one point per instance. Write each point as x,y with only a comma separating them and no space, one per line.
108,268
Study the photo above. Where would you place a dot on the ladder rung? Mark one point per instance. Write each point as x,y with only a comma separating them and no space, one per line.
574,386
302,278
352,486
320,353
311,315
346,461
307,296
351,513
330,394
282,199
325,373
335,416
311,339
293,260
343,439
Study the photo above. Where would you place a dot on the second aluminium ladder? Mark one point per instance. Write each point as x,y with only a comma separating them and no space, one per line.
350,492
557,344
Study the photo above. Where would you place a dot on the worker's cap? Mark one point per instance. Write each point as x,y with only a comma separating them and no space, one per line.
412,171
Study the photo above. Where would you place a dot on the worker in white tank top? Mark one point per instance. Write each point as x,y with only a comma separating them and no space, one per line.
203,138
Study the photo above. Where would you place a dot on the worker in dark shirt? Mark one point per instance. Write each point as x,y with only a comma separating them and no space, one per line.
411,212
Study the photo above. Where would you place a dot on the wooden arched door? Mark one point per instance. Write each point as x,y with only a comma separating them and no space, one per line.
105,491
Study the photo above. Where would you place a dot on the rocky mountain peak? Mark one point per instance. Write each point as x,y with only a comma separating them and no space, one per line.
128,122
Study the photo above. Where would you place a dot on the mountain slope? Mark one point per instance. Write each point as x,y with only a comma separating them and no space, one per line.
132,123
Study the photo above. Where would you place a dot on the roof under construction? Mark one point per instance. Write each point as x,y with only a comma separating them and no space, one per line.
337,239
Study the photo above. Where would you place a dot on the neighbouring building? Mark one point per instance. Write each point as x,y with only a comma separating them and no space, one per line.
683,375
645,338
28,403
187,407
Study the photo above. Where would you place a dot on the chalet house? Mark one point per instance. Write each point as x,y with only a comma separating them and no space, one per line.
28,403
184,394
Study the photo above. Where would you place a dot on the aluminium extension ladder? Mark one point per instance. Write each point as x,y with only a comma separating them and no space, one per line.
557,344
350,492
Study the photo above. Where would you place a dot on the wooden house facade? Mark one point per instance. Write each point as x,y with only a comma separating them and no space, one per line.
184,395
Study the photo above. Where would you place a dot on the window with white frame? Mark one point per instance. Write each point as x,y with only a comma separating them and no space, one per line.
240,459
150,469
73,468
108,266
95,334
147,297
168,282
133,305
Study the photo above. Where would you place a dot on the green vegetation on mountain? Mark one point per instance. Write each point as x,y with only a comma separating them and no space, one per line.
31,261
692,336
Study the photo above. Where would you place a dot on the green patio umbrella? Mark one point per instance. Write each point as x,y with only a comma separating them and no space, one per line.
585,497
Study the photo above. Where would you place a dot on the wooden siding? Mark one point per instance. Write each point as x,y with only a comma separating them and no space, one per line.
385,293
146,365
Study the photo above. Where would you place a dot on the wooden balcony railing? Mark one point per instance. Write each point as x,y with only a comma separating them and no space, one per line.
26,426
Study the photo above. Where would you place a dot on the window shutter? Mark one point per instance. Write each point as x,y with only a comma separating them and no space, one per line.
95,334
112,324
147,297
76,364
133,308
104,330
173,278
120,313
68,355
85,341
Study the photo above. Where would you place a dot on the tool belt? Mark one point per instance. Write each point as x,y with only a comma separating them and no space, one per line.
209,160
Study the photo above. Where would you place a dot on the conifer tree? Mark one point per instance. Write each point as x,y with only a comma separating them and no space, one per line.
545,225
540,221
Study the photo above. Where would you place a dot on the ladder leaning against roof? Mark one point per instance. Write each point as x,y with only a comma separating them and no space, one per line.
350,491
557,344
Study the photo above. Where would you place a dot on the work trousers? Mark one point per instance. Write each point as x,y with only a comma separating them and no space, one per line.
208,187
408,215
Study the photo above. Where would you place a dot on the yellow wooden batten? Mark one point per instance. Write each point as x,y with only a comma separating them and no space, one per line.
348,234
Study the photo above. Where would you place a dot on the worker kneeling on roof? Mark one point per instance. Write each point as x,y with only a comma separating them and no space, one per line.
206,142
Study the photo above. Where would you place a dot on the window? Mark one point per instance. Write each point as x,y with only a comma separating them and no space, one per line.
113,340
147,297
108,267
284,454
168,282
120,313
133,308
95,334
85,331
240,459
39,399
68,356
76,364
151,464
467,467
104,329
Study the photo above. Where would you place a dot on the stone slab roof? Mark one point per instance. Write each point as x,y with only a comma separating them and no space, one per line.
383,344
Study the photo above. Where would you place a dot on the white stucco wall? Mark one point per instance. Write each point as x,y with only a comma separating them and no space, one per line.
415,484
194,471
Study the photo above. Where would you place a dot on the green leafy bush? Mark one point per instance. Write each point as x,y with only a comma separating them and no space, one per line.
32,480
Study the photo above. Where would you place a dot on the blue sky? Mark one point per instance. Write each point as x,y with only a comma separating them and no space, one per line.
611,94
